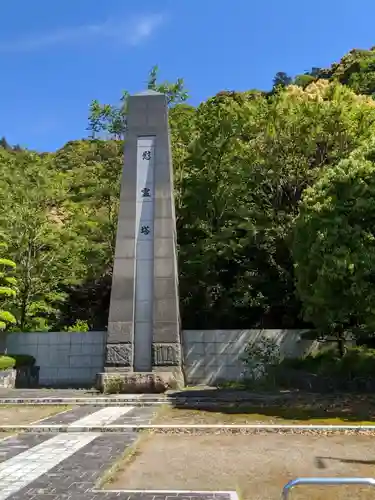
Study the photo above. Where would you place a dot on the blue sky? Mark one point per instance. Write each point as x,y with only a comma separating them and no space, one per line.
56,56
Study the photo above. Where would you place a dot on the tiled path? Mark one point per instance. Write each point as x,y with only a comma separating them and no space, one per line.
67,466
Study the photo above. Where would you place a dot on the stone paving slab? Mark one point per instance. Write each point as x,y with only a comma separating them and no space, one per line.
13,445
116,400
70,416
68,466
77,402
20,471
132,416
45,393
75,477
35,462
138,416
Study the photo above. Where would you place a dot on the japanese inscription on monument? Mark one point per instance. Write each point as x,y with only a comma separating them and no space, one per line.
146,155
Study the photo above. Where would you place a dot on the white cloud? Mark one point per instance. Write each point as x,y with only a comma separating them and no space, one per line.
143,28
132,32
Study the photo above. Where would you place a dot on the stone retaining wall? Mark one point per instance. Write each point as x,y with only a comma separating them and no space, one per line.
215,355
65,358
73,358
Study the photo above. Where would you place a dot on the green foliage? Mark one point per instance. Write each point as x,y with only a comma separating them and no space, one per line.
7,362
357,362
260,355
356,70
7,284
5,145
34,214
325,371
175,92
78,326
282,80
111,119
21,360
334,247
242,161
250,160
93,170
303,80
16,361
114,385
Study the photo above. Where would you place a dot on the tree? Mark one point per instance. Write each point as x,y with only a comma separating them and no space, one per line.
356,69
334,247
34,218
242,161
111,119
304,80
175,92
92,169
4,144
7,284
183,131
282,80
250,161
315,72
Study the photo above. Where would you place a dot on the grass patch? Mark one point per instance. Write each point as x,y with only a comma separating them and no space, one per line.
118,467
54,408
28,414
11,415
302,413
4,435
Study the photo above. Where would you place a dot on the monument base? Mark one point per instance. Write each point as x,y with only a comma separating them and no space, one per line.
129,382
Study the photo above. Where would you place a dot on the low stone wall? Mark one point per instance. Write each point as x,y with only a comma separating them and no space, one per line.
65,358
74,359
212,356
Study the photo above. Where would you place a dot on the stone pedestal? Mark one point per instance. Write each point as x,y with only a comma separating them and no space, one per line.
144,323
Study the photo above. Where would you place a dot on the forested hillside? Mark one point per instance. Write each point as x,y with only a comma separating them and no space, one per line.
249,255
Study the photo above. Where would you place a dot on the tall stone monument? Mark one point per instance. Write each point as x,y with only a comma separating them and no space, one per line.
143,339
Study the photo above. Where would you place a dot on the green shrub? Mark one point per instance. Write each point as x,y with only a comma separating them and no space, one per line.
356,362
79,326
259,354
7,362
23,360
114,385
312,363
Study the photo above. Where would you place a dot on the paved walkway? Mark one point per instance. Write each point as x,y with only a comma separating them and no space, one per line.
67,466
45,393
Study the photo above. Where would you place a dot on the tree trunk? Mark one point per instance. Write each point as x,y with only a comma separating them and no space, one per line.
340,342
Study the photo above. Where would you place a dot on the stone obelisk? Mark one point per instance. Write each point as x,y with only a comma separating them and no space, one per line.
143,337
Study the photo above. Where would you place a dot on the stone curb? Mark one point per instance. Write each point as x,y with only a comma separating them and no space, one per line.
79,401
134,401
142,399
195,429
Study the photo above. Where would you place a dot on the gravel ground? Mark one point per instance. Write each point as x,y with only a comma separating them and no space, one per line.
255,466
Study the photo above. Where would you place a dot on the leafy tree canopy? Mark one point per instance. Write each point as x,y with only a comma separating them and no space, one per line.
334,248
